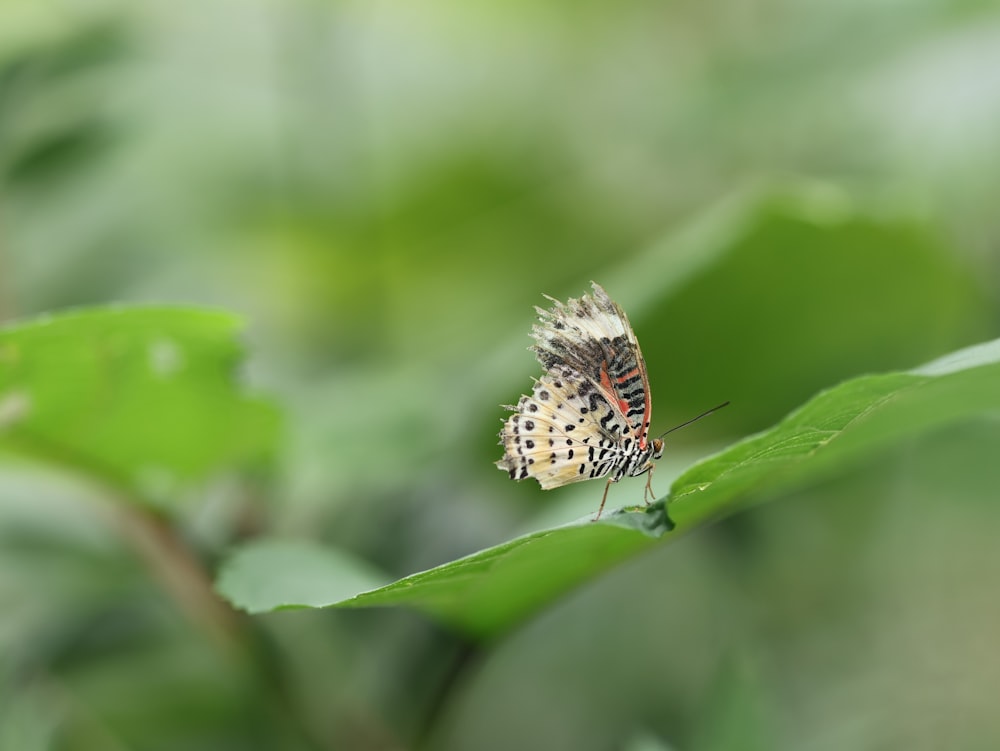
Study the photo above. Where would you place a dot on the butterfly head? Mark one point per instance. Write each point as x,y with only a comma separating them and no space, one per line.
657,449
642,460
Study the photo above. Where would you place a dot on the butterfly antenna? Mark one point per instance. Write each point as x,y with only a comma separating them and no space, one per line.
706,413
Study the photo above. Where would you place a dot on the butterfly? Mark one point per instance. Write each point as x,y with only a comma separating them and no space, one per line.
588,416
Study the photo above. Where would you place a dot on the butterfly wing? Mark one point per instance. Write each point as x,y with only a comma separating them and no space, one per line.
566,431
592,336
590,411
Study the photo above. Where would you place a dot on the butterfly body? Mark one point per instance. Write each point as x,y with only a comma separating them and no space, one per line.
588,416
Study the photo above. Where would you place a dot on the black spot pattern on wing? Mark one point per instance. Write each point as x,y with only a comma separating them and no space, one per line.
585,417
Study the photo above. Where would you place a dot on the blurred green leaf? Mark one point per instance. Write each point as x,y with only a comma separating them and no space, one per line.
736,717
293,572
49,125
491,590
776,296
645,741
144,398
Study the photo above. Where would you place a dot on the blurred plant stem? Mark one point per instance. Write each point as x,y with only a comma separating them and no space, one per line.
181,574
6,294
178,569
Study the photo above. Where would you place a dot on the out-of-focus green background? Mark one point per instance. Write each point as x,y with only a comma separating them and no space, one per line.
781,193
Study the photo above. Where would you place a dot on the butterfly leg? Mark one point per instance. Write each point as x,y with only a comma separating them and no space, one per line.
603,499
648,494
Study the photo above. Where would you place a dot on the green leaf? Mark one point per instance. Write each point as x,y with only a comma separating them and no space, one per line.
491,590
144,398
794,292
275,574
839,426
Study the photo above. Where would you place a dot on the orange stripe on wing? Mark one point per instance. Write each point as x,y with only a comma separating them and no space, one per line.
610,392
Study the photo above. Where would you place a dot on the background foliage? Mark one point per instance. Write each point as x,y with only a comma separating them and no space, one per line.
782,195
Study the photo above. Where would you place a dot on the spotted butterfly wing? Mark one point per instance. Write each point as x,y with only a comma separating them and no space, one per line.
592,336
589,415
